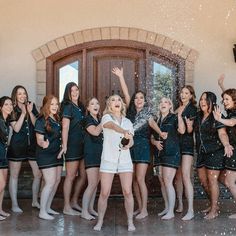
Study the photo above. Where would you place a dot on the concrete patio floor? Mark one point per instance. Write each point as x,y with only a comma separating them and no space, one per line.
28,222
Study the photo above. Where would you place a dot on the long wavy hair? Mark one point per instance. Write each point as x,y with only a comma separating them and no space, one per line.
232,93
67,93
45,110
211,100
108,109
14,94
131,111
192,92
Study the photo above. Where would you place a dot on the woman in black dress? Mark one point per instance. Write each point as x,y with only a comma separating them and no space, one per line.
229,101
73,144
169,157
93,141
212,144
139,112
23,144
48,153
183,176
6,109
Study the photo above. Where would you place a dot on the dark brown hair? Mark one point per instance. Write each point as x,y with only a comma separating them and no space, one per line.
14,94
210,100
2,101
192,92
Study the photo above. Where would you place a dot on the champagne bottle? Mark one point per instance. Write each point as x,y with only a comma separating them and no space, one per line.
124,141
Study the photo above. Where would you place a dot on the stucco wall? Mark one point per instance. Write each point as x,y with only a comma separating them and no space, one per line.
207,26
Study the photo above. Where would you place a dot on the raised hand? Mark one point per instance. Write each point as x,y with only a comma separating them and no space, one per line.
180,110
22,107
221,80
217,113
118,72
29,107
189,122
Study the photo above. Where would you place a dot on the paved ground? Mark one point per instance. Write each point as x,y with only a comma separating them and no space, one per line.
28,222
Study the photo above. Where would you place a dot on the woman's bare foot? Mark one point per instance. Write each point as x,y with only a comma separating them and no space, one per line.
179,209
4,214
2,218
36,205
76,207
188,216
233,216
93,212
168,216
208,209
70,212
141,215
136,212
131,226
98,226
52,212
163,212
87,216
16,209
211,215
45,216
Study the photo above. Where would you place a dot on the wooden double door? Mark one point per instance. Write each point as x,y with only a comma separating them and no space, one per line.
95,78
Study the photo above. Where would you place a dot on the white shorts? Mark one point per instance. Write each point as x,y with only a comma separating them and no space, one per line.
111,167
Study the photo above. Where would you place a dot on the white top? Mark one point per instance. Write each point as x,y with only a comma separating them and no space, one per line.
111,151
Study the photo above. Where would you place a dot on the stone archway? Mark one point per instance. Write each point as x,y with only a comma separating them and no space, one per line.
110,33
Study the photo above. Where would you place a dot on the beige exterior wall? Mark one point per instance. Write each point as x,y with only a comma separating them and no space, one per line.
206,26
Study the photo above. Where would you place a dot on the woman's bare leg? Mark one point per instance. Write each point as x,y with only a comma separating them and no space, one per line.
141,170
163,191
49,176
71,172
93,179
3,182
187,162
13,184
179,189
202,175
168,177
79,185
230,182
54,190
36,183
106,183
212,176
126,184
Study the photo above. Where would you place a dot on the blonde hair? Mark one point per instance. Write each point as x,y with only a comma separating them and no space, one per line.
170,102
108,109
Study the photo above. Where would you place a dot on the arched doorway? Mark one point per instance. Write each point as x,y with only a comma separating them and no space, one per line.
152,62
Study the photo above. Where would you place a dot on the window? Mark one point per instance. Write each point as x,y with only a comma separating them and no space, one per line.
68,73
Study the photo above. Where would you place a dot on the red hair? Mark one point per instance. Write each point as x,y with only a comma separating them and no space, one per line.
45,110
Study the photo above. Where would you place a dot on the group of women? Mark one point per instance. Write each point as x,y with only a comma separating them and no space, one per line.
93,148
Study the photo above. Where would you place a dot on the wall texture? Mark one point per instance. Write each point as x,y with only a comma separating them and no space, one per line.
206,26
